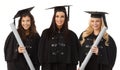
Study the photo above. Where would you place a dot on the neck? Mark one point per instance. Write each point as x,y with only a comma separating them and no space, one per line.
27,32
96,32
59,27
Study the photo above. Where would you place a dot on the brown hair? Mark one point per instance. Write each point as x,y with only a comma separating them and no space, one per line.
32,29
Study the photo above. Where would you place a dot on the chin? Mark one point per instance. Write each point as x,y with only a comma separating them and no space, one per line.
96,28
26,28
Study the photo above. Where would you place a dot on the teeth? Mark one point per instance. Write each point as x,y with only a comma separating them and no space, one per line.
25,25
95,25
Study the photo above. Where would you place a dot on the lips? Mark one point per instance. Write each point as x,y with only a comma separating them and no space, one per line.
95,25
59,22
26,26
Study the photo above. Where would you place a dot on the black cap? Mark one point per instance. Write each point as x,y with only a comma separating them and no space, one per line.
61,8
21,12
97,14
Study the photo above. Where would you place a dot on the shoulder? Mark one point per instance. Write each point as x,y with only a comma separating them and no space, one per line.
45,31
37,35
10,38
72,33
11,35
82,33
111,39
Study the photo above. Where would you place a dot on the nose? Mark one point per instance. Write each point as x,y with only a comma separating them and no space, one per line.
26,22
95,22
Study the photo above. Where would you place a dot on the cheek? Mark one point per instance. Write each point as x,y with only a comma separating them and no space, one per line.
99,24
29,23
91,24
63,20
22,23
56,19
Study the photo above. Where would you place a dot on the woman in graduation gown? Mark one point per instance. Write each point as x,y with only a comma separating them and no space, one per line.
104,55
58,47
13,51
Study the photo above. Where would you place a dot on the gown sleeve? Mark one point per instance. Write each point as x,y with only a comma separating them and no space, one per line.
80,50
41,46
10,48
112,50
34,57
76,47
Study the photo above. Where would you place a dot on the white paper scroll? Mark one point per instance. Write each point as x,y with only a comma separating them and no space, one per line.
21,44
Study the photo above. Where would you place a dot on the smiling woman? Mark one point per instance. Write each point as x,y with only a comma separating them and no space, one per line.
28,33
58,46
25,22
95,24
59,19
78,19
104,54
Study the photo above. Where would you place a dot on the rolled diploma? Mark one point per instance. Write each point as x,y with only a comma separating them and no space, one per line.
87,58
21,44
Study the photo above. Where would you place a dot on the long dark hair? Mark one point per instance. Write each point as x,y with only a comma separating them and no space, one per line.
53,27
32,29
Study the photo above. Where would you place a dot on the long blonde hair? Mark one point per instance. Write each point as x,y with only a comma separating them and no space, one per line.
89,30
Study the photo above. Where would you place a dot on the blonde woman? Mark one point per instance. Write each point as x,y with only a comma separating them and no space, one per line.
104,55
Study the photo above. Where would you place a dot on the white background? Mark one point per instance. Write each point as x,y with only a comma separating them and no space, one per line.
78,18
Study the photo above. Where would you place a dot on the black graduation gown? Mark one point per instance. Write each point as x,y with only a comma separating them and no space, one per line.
106,56
15,60
55,53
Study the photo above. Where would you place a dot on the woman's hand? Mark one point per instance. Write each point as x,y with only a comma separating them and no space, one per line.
78,68
95,50
21,49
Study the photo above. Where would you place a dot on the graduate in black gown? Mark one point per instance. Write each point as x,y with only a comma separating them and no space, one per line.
58,46
104,55
27,31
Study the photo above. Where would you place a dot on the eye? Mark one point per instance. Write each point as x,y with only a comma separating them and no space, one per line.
28,20
62,16
97,21
23,20
92,21
56,16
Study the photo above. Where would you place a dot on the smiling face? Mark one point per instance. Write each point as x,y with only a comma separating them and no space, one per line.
59,19
26,22
95,23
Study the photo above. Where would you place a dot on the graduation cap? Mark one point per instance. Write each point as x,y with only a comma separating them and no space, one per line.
22,12
97,14
61,8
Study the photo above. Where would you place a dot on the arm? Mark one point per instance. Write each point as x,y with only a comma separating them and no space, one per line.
10,48
41,46
112,51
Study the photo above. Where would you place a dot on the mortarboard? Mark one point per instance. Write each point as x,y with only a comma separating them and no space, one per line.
61,8
97,14
21,12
